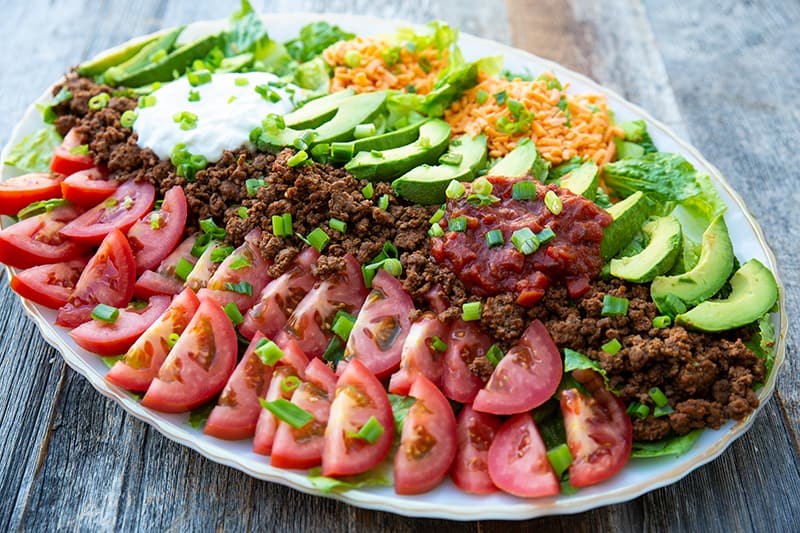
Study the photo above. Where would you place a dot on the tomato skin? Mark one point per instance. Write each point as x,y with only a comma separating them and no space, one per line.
87,188
418,355
476,432
49,285
526,377
458,381
302,448
36,240
140,365
381,327
599,431
152,245
111,339
92,226
107,279
419,464
359,396
19,191
236,413
518,461
199,364
164,280
280,297
67,163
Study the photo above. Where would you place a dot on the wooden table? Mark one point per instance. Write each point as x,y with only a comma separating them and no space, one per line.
724,74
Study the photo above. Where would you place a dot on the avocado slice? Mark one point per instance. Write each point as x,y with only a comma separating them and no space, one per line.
518,162
100,64
659,255
389,164
628,216
426,184
313,113
141,59
706,278
754,292
582,181
344,151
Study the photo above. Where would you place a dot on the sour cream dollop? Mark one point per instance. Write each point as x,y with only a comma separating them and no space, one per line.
228,109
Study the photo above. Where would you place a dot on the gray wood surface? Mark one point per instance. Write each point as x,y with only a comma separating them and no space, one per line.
724,74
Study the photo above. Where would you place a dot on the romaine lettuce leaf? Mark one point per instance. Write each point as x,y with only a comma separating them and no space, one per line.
763,342
676,445
577,361
246,33
35,151
313,39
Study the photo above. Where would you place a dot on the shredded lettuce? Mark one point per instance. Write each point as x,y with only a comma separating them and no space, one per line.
676,445
313,75
199,416
381,475
313,39
763,342
246,33
636,132
35,151
400,407
577,361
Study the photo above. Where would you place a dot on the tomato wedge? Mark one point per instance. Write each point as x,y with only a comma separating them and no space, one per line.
137,369
302,448
419,356
164,280
119,211
310,322
199,364
381,327
428,441
64,161
108,279
203,268
236,413
466,341
112,339
36,240
518,461
49,285
476,432
153,237
87,188
280,297
599,433
18,192
359,396
526,377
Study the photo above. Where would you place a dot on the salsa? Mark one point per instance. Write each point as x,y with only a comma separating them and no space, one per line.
571,257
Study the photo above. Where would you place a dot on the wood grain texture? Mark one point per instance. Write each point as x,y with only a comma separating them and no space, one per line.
720,73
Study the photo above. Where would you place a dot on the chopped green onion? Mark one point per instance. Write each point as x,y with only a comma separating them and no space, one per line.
523,190
42,206
436,230
240,261
128,118
268,93
273,123
494,238
437,216
663,321
241,82
482,199
525,241
639,410
110,202
368,191
425,64
482,186
662,410
148,100
393,266
98,101
500,97
383,202
455,190
334,352
242,212
343,324
553,203
105,313
364,130
183,268
352,58
233,313
231,99
297,158
253,185
198,77
481,96
560,458
81,149
471,311
457,224
289,383
438,344
186,119
517,108
546,235
658,397
219,254
338,225
318,239
494,354
282,225
242,287
613,306
155,220
451,158
127,202
194,96
269,352
612,347
172,339
286,411
369,432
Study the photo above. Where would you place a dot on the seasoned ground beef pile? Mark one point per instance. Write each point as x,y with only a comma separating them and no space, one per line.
707,378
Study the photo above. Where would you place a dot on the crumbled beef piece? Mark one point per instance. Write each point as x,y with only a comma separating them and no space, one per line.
503,319
481,367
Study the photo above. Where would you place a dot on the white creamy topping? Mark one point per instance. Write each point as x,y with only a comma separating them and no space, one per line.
226,113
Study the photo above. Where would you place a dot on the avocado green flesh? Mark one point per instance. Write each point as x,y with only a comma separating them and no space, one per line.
385,141
427,184
658,256
628,217
99,65
317,111
708,275
517,163
395,162
754,292
141,60
176,61
582,181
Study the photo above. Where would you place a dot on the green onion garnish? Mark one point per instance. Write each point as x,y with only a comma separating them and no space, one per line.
613,306
369,432
393,266
81,149
451,158
560,458
241,82
436,230
481,96
523,190
471,311
482,186
455,190
334,352
105,313
253,184
338,225
186,119
268,352
286,411
289,383
494,354
494,238
233,313
457,224
242,212
282,225
612,347
639,410
364,130
553,203
42,206
172,339
219,254
437,216
658,397
268,93
383,202
352,58
183,268
662,410
194,96
242,287
546,235
198,77
297,158
318,239
148,100
240,261
663,321
500,97
343,324
525,241
516,108
368,191
438,344
98,101
128,118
